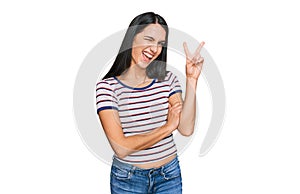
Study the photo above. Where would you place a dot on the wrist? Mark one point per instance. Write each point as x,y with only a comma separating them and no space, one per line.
169,127
192,79
191,82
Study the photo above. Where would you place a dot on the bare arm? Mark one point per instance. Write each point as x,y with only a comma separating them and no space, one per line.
194,64
123,145
188,114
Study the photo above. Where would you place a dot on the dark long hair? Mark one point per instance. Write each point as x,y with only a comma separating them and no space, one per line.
157,68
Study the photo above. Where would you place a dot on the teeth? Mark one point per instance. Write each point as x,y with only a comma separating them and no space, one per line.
148,55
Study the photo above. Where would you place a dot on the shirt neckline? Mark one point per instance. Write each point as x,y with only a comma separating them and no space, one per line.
142,88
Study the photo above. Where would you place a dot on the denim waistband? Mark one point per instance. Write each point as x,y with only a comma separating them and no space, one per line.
130,167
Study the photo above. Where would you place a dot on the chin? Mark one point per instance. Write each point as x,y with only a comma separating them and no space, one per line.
143,65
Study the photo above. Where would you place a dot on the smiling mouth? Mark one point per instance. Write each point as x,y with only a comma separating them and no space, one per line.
147,56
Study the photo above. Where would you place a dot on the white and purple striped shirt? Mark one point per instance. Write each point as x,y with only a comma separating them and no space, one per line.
141,110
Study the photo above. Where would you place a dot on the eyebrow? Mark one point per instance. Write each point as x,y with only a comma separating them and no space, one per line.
150,37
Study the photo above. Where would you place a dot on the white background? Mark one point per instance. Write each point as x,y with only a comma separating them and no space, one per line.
254,43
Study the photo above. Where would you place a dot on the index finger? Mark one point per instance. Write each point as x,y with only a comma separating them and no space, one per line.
186,50
199,47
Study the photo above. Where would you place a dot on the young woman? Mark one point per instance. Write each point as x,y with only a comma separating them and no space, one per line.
139,105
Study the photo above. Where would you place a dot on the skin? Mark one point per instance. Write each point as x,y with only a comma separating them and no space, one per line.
194,63
149,41
181,113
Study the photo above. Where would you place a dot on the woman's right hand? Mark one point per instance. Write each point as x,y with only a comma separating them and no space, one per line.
174,115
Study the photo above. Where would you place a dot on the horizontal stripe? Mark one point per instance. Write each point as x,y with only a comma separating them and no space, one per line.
152,153
144,124
106,107
163,144
104,88
141,102
177,91
159,145
142,129
138,132
144,95
108,96
145,119
106,81
132,117
125,91
141,110
106,101
143,107
152,160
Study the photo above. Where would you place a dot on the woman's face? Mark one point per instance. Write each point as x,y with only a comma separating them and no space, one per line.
147,45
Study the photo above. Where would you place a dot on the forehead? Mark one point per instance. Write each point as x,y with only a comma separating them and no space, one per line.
154,30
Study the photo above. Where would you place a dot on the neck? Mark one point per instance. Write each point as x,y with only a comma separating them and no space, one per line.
136,74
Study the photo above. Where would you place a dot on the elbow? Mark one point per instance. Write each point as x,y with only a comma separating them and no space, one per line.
186,127
120,149
121,153
186,132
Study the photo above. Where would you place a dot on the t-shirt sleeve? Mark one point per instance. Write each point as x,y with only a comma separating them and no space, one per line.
105,97
174,84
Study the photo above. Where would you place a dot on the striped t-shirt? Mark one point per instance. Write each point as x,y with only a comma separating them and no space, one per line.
141,110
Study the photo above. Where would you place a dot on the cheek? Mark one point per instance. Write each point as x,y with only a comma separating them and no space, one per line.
159,50
136,52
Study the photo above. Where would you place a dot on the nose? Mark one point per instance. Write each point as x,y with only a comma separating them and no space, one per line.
153,48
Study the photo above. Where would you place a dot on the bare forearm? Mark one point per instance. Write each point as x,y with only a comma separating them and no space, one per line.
123,145
187,120
138,142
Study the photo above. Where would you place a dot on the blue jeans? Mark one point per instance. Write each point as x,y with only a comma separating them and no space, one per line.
129,179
